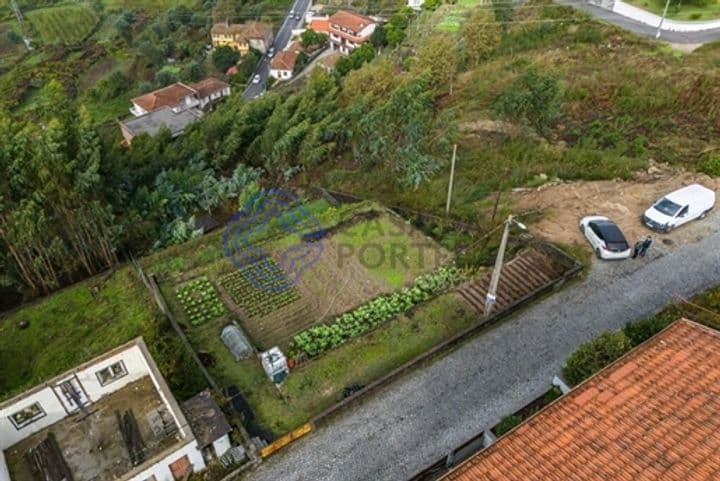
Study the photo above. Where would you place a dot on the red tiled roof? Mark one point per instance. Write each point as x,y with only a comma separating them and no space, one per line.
653,415
284,60
319,25
350,20
168,96
208,86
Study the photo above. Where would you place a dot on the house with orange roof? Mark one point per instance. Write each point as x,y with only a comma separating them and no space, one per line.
348,30
180,96
651,415
282,65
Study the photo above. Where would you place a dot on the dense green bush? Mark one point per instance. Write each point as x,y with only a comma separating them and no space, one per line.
534,99
592,356
640,331
711,166
506,424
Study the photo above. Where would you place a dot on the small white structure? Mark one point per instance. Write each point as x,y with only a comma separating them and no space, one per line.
209,425
76,412
415,4
275,364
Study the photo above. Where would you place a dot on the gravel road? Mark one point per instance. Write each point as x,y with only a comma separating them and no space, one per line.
416,420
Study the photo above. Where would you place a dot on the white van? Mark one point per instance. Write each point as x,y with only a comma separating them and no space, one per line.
677,208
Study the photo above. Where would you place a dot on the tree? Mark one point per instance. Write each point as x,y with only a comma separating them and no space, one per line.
592,356
361,55
151,53
311,38
481,35
14,37
378,37
437,56
124,29
224,57
193,72
534,99
300,62
431,4
165,77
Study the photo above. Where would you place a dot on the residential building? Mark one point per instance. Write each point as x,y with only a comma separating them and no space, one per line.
348,30
180,96
210,90
113,417
283,65
208,424
242,36
177,96
652,415
176,121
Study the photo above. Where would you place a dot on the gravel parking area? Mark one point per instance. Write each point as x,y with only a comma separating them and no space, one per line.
413,422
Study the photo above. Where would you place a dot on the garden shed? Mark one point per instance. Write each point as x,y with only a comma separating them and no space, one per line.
236,341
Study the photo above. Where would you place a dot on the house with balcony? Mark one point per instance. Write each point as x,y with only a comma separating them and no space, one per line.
112,418
348,30
242,36
177,96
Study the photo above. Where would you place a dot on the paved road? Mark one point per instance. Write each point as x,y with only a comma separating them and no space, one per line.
281,41
641,28
419,418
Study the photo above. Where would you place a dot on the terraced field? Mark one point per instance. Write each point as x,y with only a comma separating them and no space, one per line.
65,24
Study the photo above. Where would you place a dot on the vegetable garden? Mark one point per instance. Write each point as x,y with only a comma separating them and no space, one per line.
319,339
260,302
200,301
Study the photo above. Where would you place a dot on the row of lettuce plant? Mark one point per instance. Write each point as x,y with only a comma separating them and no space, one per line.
319,339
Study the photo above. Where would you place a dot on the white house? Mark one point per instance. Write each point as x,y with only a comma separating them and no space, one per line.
348,30
283,64
113,417
180,96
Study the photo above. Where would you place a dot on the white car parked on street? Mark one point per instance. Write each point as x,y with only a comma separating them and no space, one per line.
605,237
677,208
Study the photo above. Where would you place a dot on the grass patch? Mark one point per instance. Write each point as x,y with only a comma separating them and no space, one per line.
65,24
316,386
72,326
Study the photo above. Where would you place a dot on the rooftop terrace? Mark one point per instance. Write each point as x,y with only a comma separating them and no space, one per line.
92,443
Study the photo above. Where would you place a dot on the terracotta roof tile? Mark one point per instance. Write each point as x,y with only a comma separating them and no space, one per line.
350,20
168,96
653,415
284,60
208,86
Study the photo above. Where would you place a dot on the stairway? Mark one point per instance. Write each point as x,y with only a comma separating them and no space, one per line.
527,272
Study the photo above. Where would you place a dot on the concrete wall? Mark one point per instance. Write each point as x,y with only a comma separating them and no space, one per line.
161,469
49,400
222,445
643,16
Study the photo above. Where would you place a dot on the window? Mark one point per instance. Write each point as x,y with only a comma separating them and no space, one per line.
683,212
111,373
27,416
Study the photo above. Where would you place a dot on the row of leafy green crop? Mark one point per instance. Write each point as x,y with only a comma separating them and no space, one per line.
319,339
200,301
255,301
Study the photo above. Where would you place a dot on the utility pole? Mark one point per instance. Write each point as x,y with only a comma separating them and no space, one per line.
21,23
495,279
452,176
662,19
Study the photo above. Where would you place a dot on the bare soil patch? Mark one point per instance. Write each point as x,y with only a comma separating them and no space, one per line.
562,205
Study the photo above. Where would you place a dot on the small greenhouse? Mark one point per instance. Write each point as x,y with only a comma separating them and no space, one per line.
236,341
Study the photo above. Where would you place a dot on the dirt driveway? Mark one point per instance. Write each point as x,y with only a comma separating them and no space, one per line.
563,205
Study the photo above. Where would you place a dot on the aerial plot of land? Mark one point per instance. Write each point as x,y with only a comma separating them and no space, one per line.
275,240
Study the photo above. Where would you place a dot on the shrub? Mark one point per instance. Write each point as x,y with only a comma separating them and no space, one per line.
506,424
534,99
224,57
640,331
711,166
592,356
